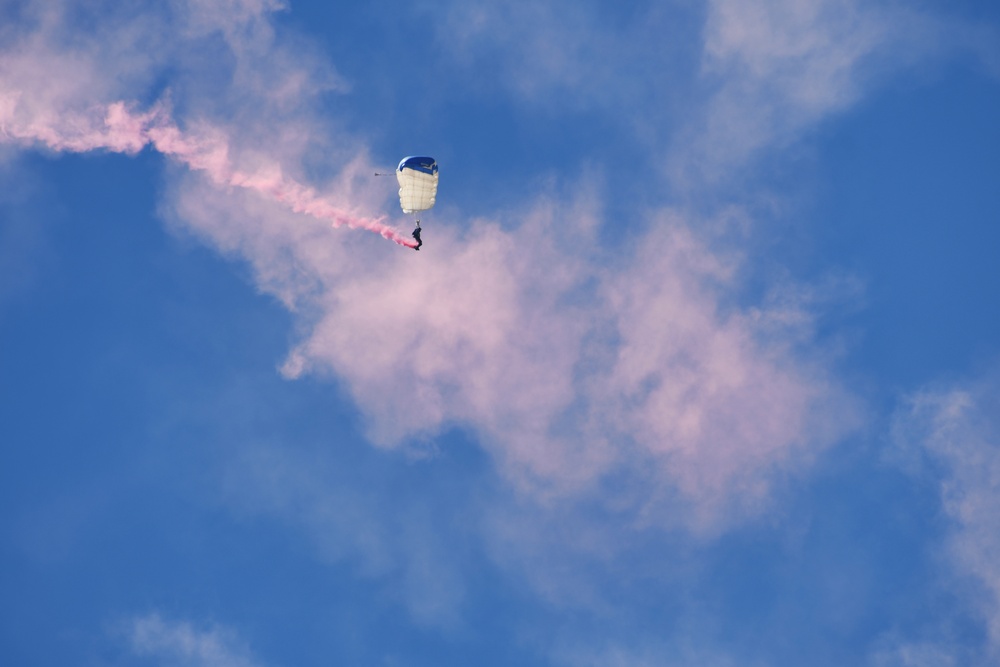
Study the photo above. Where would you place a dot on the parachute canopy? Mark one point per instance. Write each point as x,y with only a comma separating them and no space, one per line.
418,183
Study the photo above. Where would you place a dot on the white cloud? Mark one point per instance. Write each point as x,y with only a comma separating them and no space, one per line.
396,541
632,63
952,435
535,48
182,644
774,70
915,655
708,88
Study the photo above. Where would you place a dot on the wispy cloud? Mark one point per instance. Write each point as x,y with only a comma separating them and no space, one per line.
570,366
183,644
556,52
950,436
708,88
916,654
773,71
568,375
620,392
653,656
76,114
387,536
119,129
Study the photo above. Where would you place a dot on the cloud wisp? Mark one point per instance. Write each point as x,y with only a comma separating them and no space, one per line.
633,401
951,437
183,644
569,365
119,129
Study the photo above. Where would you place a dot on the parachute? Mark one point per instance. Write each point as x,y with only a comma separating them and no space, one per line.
418,184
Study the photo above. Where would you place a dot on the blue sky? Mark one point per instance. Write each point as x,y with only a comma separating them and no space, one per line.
699,363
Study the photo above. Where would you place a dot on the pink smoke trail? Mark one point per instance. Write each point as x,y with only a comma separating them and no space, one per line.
123,131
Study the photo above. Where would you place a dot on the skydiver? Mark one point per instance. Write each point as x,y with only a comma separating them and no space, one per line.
416,235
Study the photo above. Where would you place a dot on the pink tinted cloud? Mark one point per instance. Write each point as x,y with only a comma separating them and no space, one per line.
700,389
568,371
569,366
118,129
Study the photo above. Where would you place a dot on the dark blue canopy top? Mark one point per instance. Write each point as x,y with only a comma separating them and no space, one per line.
428,165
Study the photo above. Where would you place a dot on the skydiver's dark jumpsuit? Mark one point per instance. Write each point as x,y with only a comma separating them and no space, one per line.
416,235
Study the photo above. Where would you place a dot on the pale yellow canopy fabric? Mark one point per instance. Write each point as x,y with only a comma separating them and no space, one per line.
418,182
